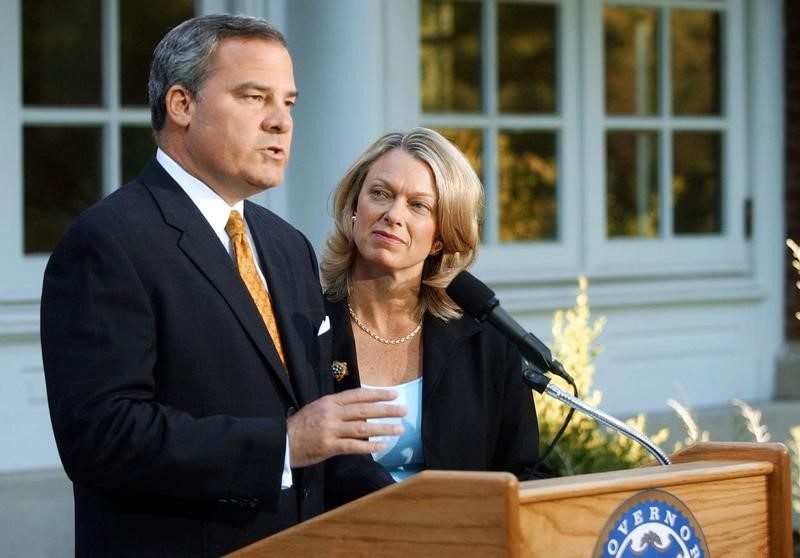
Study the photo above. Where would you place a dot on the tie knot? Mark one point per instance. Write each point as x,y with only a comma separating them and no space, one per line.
235,224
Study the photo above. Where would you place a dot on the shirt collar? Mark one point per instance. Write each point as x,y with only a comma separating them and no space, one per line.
215,209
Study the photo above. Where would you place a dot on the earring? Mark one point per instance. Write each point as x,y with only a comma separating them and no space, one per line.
436,248
354,218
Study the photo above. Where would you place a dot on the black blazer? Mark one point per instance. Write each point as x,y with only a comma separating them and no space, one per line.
477,414
167,397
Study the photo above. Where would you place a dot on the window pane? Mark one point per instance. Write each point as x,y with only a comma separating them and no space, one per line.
696,182
632,184
528,178
142,24
630,60
62,178
527,57
695,62
138,146
450,53
468,141
61,61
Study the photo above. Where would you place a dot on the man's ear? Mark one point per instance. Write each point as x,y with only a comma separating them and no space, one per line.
180,105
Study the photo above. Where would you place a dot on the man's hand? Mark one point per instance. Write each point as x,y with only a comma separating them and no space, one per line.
337,424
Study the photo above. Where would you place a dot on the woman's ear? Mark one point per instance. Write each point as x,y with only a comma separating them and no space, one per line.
436,248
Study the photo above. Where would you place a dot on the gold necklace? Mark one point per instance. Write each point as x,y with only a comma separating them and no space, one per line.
377,337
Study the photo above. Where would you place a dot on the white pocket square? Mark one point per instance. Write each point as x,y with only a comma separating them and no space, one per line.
324,326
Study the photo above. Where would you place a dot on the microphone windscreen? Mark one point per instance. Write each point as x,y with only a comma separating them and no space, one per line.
472,295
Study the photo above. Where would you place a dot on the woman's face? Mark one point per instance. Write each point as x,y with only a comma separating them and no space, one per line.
395,223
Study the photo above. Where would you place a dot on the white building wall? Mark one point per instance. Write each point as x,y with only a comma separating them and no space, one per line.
765,42
25,431
700,339
685,344
701,355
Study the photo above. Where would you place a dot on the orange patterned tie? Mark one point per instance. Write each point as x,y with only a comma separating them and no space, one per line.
247,269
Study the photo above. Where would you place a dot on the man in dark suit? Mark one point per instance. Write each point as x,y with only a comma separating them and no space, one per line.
187,428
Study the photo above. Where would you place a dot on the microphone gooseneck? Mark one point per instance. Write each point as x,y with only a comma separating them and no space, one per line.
541,383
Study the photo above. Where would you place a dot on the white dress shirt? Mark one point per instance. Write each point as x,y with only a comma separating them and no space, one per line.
216,211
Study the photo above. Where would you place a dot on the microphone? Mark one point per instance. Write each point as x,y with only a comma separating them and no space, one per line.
480,302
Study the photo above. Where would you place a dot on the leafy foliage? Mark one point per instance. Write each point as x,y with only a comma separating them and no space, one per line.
794,446
794,443
589,447
795,263
586,446
693,432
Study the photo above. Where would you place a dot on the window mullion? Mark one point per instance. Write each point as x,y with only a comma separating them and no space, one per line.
491,172
665,132
111,78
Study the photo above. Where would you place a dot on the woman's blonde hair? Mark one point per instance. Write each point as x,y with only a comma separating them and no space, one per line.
458,211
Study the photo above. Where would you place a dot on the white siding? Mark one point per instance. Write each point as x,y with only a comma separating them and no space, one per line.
711,336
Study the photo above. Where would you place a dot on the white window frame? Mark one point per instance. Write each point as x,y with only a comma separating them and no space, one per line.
723,254
520,260
21,281
582,246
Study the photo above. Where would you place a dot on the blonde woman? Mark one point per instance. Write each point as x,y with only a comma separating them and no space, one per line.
406,222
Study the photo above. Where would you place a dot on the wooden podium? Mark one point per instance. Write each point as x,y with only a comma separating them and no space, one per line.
738,493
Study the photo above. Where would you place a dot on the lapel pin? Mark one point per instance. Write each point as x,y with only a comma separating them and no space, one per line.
338,370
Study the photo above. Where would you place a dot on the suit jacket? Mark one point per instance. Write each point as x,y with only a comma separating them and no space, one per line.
167,397
477,414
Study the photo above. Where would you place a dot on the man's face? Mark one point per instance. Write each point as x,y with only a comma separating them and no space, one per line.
239,129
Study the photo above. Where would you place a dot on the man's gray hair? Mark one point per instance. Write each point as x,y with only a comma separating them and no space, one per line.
183,57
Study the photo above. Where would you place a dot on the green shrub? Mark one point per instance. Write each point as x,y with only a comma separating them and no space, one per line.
589,447
586,446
